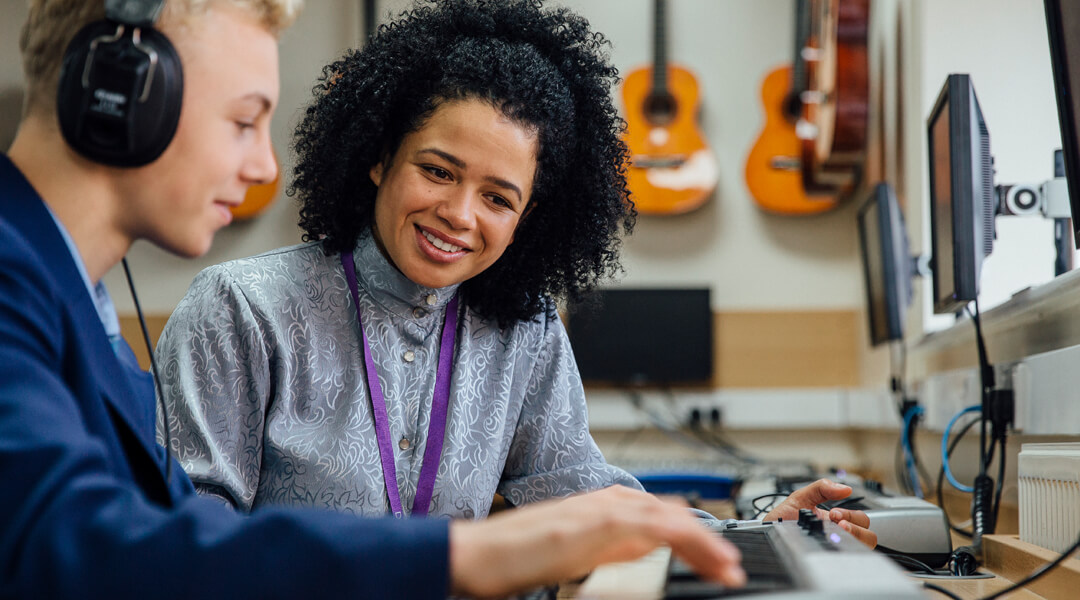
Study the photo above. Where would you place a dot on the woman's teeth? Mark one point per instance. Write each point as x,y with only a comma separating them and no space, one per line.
441,245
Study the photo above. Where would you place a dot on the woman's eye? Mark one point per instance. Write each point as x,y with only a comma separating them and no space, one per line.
503,202
438,172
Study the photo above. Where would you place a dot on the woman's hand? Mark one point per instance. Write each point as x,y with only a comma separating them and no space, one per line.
855,522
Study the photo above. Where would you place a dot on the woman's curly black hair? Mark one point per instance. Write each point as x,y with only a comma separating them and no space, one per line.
544,68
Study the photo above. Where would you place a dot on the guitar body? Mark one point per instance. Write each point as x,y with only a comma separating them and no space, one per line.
672,170
773,173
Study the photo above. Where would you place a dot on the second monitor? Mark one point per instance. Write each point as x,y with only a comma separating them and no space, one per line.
961,194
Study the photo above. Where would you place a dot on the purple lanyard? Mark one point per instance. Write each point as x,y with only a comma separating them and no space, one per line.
441,400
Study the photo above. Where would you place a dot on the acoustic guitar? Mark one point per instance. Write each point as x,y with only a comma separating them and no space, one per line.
773,167
836,106
671,170
257,199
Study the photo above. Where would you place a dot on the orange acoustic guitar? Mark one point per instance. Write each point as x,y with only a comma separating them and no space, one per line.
671,170
773,167
257,199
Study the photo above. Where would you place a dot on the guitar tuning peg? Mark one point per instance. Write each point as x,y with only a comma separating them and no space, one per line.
810,54
805,130
812,97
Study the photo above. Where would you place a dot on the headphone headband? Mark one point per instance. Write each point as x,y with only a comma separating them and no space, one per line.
138,13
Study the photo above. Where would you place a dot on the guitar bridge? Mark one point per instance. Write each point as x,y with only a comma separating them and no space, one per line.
658,161
785,163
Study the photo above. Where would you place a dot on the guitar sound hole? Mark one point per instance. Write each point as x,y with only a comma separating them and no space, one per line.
660,108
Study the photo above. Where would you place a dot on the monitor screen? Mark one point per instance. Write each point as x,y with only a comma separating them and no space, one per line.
961,194
644,337
887,264
1063,31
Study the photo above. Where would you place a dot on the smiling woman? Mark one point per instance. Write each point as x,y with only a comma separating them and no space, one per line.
457,176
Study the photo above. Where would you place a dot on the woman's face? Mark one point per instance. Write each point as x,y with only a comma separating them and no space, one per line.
454,192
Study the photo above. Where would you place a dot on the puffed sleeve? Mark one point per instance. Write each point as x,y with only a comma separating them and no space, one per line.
215,380
552,453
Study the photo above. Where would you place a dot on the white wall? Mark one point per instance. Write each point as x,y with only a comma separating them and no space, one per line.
750,259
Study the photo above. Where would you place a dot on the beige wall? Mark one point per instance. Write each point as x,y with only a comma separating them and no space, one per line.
756,264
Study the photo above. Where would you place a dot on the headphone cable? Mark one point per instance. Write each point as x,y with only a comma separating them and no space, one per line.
154,372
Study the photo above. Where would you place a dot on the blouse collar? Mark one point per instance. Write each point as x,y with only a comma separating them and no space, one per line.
390,287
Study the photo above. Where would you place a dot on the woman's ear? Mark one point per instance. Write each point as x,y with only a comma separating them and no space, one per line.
376,173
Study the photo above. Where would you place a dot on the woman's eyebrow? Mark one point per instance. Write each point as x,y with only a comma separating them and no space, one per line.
457,162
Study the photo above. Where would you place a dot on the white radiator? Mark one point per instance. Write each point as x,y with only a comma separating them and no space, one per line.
1049,476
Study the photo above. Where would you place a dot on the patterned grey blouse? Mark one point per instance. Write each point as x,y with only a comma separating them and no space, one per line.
263,379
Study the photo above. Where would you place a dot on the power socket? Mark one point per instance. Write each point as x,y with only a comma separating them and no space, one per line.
710,417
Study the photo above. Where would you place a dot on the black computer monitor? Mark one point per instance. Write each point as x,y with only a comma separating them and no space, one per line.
887,264
961,194
1063,31
644,337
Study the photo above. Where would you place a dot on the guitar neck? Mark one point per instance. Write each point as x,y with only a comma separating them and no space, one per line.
660,74
799,77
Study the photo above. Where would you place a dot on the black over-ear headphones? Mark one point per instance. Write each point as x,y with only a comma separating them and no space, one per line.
121,87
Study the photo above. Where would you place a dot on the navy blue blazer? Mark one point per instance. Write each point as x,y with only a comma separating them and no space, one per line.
85,510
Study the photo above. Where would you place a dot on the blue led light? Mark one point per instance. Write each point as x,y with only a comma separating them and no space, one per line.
835,537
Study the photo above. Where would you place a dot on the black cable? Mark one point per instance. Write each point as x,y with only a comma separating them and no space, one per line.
985,382
706,435
941,475
991,453
154,372
1043,570
904,404
901,469
714,440
1001,479
983,516
940,590
919,466
920,470
907,561
675,433
759,510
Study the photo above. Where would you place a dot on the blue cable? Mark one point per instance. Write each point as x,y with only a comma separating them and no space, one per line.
909,452
945,449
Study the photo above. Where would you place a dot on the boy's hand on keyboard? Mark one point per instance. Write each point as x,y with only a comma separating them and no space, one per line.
564,539
855,522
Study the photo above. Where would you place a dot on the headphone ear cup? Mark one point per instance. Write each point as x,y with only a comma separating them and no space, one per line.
107,113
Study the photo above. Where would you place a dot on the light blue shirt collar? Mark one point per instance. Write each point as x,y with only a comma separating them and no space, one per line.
99,294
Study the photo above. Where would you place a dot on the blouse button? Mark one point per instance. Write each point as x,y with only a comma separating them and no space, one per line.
404,444
409,356
431,299
419,313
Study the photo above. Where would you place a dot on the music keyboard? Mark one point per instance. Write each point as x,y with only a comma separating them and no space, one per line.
783,561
